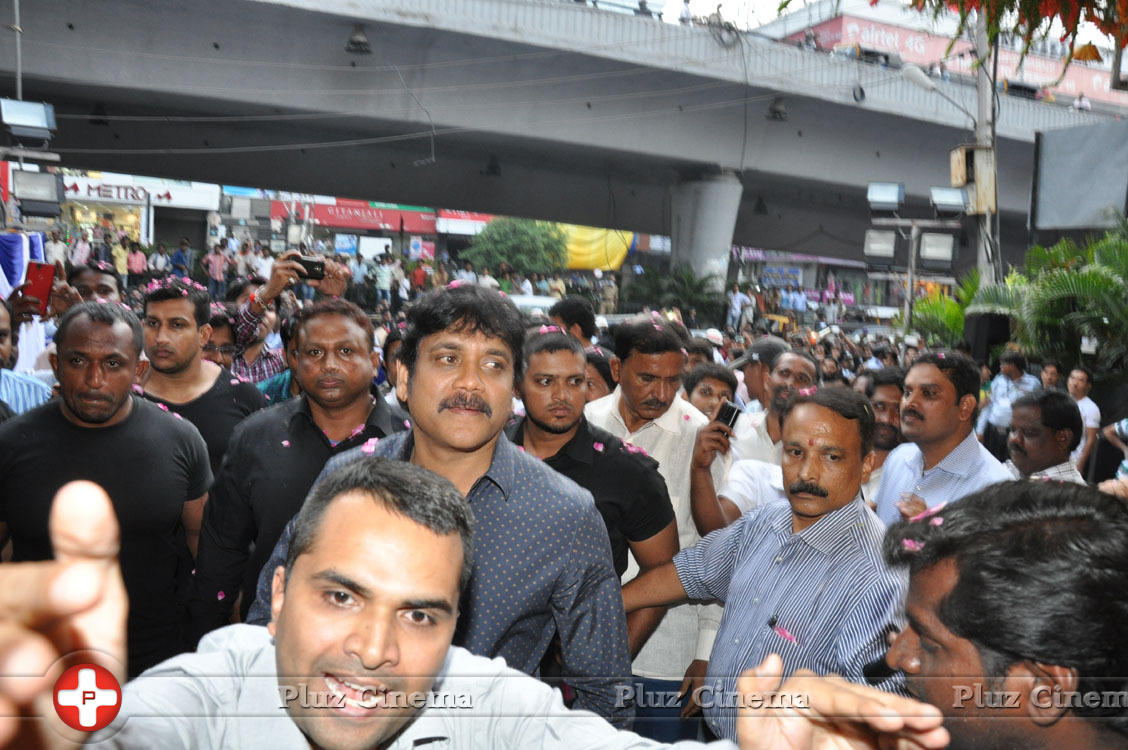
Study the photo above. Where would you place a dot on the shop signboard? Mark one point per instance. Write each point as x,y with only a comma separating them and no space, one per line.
781,276
344,244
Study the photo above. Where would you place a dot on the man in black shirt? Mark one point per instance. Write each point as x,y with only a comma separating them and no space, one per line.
629,492
180,380
275,454
155,468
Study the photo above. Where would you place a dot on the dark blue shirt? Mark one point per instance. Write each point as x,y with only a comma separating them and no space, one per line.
542,565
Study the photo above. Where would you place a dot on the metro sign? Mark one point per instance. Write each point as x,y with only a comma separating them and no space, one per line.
87,697
124,193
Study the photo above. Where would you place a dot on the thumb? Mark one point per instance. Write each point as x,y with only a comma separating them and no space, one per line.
765,677
83,525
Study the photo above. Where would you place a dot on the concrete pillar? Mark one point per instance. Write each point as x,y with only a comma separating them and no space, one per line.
704,216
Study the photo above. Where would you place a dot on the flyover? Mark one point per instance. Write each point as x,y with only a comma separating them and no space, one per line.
540,108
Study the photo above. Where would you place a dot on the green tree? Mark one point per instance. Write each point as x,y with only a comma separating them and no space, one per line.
1067,292
679,288
527,245
940,318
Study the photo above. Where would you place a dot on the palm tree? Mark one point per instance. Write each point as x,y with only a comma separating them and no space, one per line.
681,288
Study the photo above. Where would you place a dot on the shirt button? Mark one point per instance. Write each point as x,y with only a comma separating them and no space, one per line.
779,559
756,600
736,641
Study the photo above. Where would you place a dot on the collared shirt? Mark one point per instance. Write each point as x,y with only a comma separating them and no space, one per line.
22,392
273,458
542,565
686,632
1063,472
821,598
629,492
227,695
1090,419
750,439
269,363
968,468
753,483
1004,392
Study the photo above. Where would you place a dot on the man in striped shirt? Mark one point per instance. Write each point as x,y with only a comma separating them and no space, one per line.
804,579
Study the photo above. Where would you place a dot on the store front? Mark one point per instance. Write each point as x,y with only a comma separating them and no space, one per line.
108,204
347,225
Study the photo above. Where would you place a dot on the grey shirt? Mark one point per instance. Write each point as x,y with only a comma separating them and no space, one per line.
226,696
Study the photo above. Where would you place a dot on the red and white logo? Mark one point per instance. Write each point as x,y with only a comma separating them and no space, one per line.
87,697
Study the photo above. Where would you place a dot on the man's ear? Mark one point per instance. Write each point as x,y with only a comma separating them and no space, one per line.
402,378
1046,688
277,595
375,357
53,358
867,465
140,375
967,407
616,367
205,332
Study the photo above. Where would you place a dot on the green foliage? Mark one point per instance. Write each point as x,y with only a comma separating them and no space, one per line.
940,318
1068,291
527,245
679,288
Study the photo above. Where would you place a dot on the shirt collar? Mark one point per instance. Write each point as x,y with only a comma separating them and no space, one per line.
579,448
380,417
963,459
827,533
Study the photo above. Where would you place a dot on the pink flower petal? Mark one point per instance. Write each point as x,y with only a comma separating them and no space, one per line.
598,446
912,545
235,381
221,596
783,633
928,513
685,417
407,423
285,443
163,407
938,521
369,446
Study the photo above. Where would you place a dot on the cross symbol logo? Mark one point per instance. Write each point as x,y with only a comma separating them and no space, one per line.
87,697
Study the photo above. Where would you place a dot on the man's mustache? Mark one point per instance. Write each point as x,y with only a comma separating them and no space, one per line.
807,488
466,401
912,412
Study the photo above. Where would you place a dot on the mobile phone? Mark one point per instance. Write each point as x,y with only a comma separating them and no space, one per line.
314,267
728,414
39,278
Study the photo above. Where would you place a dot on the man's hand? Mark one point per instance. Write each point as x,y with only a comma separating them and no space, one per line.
336,279
285,273
711,439
53,614
809,712
1115,487
691,685
911,506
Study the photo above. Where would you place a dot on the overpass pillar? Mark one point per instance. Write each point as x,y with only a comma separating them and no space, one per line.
704,217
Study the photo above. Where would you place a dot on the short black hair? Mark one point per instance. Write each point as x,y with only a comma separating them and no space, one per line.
802,353
1059,411
842,401
597,358
222,317
552,340
401,487
1035,560
336,307
709,370
466,308
174,287
1012,357
1051,363
1084,369
894,376
289,329
960,369
653,335
702,347
108,313
99,267
575,310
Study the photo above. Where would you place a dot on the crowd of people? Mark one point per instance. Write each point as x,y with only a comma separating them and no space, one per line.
291,522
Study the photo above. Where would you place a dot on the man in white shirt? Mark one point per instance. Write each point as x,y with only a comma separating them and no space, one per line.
486,280
54,249
758,358
646,411
1079,384
757,435
79,254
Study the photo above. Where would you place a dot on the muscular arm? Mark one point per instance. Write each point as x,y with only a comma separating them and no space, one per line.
656,587
193,518
650,553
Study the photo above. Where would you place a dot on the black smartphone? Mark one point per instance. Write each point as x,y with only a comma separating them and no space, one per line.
728,414
314,267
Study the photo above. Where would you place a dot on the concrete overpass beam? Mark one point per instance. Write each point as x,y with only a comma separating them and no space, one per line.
704,216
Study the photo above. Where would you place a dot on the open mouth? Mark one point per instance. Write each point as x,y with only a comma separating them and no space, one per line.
355,699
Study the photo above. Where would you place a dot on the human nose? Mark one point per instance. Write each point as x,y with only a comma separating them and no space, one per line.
373,641
94,376
899,655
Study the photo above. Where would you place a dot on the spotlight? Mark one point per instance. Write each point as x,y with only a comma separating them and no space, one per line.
357,43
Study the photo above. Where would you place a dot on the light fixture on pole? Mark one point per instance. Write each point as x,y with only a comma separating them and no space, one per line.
985,171
885,196
357,43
